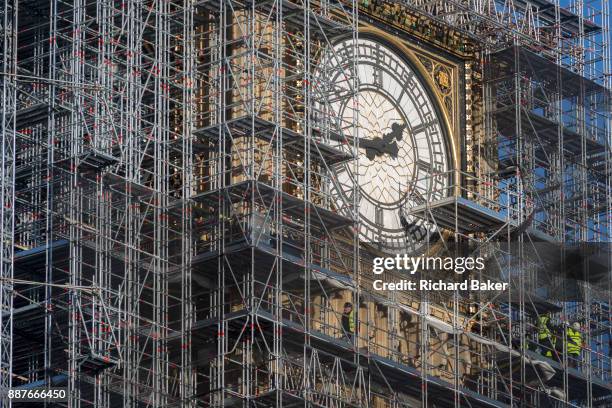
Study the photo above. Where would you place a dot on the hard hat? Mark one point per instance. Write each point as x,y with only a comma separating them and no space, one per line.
576,326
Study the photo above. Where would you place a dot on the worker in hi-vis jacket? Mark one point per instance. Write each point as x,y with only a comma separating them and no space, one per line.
348,321
574,344
545,336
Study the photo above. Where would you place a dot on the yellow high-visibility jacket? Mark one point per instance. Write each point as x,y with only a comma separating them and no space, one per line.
574,341
543,330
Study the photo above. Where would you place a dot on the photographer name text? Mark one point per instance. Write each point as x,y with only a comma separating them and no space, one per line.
425,284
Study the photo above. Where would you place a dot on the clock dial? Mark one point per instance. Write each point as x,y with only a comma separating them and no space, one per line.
401,144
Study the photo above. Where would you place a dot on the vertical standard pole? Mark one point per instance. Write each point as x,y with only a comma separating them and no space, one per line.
77,327
8,51
278,186
187,386
51,134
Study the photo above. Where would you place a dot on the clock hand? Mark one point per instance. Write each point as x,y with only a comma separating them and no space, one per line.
371,146
377,146
387,144
397,132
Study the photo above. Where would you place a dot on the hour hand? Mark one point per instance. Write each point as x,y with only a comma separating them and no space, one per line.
372,147
385,145
377,146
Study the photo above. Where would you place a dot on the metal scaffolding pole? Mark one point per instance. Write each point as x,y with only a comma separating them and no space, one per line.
178,231
8,18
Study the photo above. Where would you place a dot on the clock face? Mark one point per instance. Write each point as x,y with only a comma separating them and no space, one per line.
401,145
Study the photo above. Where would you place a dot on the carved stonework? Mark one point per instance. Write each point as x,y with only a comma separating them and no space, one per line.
442,74
397,15
427,63
443,78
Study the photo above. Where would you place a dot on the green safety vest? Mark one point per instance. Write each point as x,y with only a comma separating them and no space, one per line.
574,341
352,321
543,330
549,352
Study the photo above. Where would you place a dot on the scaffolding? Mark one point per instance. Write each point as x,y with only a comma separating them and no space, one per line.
171,229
